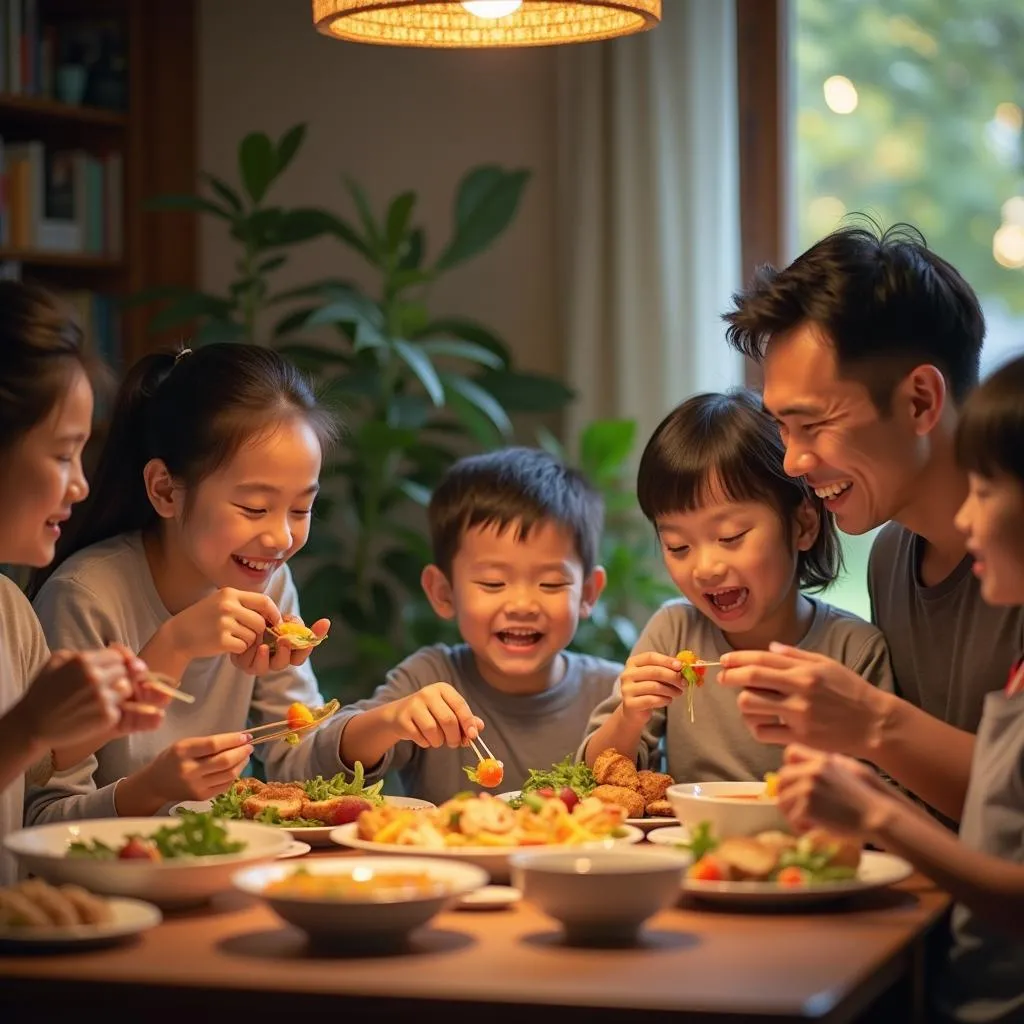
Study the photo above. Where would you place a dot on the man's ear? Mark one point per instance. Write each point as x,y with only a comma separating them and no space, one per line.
439,591
163,495
807,526
593,587
923,394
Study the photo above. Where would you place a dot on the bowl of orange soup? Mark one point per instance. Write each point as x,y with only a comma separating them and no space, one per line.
361,900
731,808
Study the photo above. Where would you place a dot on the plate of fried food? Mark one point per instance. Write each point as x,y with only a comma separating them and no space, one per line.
482,829
35,914
614,779
308,809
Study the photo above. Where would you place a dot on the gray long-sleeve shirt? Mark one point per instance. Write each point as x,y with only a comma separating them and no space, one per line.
523,731
717,745
106,593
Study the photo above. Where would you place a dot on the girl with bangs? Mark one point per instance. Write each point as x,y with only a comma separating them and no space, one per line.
982,977
742,541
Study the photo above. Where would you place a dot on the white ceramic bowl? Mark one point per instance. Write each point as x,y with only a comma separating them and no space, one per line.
726,806
43,850
385,918
601,897
493,859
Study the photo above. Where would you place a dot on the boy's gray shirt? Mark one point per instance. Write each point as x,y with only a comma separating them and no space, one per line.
948,647
523,731
106,593
718,745
984,978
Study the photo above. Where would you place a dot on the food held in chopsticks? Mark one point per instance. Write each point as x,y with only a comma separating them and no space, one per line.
693,675
371,886
36,904
489,771
299,636
312,803
483,820
298,721
773,857
641,793
196,835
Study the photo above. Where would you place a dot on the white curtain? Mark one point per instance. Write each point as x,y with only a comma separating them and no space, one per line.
649,193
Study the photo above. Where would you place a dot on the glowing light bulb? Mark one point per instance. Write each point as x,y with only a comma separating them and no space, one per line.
840,94
492,8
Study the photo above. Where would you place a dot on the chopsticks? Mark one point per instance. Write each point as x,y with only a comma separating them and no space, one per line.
476,749
165,685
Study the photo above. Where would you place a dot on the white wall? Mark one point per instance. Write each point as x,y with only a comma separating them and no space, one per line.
393,119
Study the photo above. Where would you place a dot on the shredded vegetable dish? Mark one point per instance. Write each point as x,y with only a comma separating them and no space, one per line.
483,820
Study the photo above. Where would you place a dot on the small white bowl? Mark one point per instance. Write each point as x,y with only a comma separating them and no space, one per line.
601,897
184,881
379,919
727,807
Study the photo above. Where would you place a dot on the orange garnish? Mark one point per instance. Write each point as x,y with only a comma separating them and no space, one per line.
299,716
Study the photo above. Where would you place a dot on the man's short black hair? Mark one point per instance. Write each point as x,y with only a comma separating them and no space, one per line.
524,487
883,299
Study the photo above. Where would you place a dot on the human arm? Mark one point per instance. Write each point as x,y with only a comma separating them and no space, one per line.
796,696
841,794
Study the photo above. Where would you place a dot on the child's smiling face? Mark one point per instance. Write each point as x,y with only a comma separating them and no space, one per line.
991,518
736,562
517,600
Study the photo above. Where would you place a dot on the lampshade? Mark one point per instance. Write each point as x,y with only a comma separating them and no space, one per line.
452,23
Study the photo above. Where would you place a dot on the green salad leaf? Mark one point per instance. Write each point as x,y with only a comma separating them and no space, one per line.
568,772
196,835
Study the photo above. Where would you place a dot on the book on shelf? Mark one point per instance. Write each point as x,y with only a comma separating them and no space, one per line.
79,59
61,200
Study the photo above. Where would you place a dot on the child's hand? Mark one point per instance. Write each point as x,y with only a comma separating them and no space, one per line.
258,660
649,681
829,790
197,768
228,621
436,716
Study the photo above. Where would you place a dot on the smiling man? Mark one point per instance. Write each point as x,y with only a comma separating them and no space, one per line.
869,344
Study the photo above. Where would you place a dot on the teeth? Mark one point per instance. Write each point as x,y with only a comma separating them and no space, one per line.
251,563
727,606
833,490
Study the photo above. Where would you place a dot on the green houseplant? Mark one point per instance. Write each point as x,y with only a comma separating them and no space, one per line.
414,390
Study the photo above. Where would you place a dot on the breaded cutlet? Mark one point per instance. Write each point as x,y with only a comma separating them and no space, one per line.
654,784
614,769
622,796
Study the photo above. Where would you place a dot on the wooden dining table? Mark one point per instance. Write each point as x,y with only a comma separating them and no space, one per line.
861,959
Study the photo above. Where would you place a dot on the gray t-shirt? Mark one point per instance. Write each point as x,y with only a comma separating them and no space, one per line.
948,648
22,654
523,731
106,593
984,979
717,745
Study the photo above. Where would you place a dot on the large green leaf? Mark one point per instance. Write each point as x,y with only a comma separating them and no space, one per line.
412,255
353,308
467,330
605,447
225,191
526,392
483,400
377,439
362,204
415,492
327,287
296,320
313,358
257,162
410,411
462,350
419,362
188,308
287,146
195,204
397,223
274,263
301,225
361,383
487,202
404,566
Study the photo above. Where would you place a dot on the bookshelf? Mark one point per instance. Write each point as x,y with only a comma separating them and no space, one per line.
98,115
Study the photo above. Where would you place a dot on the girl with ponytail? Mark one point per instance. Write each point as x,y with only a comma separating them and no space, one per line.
203,492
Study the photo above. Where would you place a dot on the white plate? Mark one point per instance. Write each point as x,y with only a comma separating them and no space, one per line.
315,836
43,850
644,824
876,871
493,859
130,918
295,849
674,835
490,897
